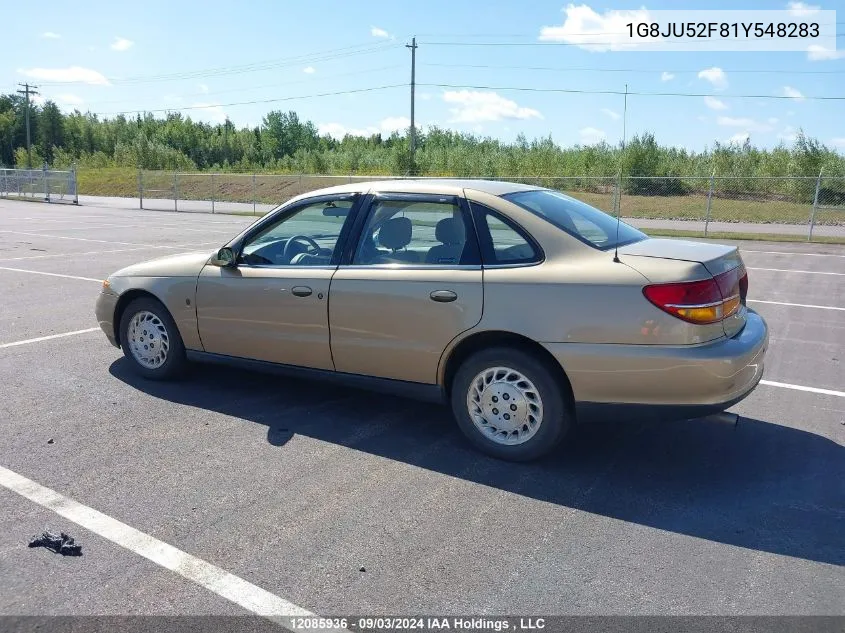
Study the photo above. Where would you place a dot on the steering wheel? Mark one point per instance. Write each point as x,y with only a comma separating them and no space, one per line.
288,253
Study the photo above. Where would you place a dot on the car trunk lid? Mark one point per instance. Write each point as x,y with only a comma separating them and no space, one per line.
720,262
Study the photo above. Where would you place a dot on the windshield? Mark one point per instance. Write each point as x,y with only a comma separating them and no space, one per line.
576,218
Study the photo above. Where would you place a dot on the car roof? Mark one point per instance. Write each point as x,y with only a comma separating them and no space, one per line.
443,186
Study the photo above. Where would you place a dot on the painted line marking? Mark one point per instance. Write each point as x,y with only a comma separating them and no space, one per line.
809,272
116,250
786,385
226,585
792,253
39,272
797,305
48,338
88,239
97,227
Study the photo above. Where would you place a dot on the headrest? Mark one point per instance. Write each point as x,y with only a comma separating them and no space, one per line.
450,231
395,233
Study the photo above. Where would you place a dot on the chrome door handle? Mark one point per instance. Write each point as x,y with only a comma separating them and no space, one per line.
301,291
443,296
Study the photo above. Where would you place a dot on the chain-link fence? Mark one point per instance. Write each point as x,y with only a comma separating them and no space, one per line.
701,205
45,184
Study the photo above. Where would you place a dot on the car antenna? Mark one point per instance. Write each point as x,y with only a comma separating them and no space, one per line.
619,179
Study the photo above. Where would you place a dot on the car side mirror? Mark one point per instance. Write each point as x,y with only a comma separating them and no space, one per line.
225,258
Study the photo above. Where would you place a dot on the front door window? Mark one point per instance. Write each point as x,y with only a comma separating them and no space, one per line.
308,237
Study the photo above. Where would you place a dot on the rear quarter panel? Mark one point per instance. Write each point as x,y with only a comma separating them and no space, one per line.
578,294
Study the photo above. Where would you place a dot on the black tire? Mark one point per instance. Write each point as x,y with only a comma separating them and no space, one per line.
556,419
175,361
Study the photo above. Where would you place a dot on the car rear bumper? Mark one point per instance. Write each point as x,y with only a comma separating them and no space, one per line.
684,381
104,311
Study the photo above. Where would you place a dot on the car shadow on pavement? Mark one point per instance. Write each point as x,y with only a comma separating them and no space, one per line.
758,485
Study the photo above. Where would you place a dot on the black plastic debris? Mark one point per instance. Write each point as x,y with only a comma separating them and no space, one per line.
61,544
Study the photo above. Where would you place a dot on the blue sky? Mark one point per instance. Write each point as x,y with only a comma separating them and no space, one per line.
108,57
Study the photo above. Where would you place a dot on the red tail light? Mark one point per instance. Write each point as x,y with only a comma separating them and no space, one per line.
702,302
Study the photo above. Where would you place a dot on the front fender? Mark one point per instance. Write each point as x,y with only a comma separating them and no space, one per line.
176,293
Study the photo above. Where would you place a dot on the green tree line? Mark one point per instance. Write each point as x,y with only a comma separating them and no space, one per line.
284,143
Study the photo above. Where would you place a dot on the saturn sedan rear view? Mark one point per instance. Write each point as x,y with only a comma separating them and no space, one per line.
521,307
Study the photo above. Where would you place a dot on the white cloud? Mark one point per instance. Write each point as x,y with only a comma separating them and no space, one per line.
49,35
38,99
792,93
122,44
788,134
591,135
395,124
802,9
207,112
739,138
715,76
309,70
69,99
744,122
604,32
203,87
613,115
666,76
377,32
772,120
474,106
816,53
838,142
715,104
72,74
386,126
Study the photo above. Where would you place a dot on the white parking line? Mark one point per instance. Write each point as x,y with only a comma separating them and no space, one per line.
792,253
786,385
809,272
226,585
88,239
39,272
97,227
116,250
48,338
797,305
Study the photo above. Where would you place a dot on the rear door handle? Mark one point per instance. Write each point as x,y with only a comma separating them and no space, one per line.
443,296
301,291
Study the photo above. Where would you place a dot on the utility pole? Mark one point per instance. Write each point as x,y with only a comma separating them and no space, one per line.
413,46
28,90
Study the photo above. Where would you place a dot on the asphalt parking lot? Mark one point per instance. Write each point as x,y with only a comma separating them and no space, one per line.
345,502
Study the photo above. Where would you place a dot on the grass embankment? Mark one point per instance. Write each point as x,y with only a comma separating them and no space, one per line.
274,189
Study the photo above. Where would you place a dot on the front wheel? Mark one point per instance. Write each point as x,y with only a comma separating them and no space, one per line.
509,405
150,340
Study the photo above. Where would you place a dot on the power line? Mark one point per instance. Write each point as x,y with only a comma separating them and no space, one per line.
635,70
632,43
280,62
263,86
238,103
531,35
620,92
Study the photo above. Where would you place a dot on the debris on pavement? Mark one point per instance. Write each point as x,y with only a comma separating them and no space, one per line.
50,441
61,544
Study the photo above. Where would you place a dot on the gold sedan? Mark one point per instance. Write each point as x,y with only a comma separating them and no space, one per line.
522,307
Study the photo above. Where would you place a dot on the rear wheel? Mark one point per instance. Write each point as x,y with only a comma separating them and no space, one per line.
150,340
509,405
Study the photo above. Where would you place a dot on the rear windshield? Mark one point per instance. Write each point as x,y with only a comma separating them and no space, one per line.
576,218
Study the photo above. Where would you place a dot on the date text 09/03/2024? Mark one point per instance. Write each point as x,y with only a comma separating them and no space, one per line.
432,623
